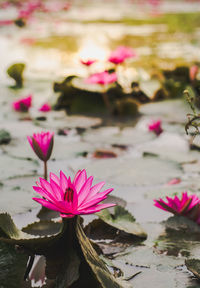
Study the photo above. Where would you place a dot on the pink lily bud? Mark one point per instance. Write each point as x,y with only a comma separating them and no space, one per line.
45,108
155,127
22,104
42,144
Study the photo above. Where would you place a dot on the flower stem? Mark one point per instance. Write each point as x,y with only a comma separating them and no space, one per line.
106,101
45,170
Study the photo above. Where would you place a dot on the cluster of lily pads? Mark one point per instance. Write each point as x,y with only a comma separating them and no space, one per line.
104,91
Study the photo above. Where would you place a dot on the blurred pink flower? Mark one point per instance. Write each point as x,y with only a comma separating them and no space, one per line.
24,13
29,8
28,41
5,5
174,181
55,6
102,78
42,144
193,72
188,206
22,104
6,22
72,198
155,127
120,54
88,62
34,5
45,108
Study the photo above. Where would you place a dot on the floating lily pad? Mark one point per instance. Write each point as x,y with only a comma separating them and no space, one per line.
139,172
165,148
180,223
121,219
148,257
42,228
15,71
5,137
194,266
12,267
113,135
169,110
14,167
58,120
17,193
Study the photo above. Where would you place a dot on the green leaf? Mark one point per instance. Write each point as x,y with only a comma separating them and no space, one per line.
43,228
121,219
12,267
15,71
181,223
9,233
5,137
194,266
98,267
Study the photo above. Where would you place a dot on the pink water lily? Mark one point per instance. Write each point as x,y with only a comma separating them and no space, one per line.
6,22
156,127
102,78
122,53
88,62
22,104
174,181
187,205
42,144
45,107
193,72
72,198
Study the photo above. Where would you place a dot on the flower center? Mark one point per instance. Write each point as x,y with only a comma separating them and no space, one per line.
69,194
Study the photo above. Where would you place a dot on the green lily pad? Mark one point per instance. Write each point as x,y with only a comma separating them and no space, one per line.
115,135
5,137
12,267
121,219
59,119
139,171
165,148
168,110
42,228
193,265
15,71
9,233
14,167
181,223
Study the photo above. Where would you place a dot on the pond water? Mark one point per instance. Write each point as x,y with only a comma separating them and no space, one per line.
142,164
